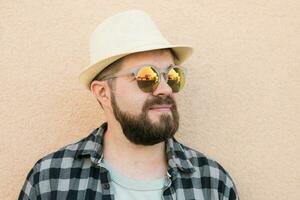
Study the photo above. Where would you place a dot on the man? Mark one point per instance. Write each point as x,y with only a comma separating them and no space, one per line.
135,75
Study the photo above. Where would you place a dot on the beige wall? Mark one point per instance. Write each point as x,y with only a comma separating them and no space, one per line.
241,105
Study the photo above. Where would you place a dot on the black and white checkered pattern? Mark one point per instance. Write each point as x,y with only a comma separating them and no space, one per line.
73,173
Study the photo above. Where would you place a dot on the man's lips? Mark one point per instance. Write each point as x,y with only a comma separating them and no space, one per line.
161,107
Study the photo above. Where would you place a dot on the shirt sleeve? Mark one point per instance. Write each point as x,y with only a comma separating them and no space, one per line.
28,191
232,194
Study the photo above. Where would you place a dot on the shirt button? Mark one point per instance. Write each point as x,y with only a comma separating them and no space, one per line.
173,173
106,186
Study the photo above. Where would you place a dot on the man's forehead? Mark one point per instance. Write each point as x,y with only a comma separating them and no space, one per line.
157,57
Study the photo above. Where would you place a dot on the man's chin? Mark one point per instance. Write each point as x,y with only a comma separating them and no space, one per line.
161,121
156,116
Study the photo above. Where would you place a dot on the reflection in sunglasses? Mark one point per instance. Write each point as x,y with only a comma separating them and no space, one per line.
173,75
147,73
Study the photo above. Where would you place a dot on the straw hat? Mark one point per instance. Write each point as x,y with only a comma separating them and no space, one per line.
123,34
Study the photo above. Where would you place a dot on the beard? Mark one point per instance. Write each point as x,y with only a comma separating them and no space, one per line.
139,129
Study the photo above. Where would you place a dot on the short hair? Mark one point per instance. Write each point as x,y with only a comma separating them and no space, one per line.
113,68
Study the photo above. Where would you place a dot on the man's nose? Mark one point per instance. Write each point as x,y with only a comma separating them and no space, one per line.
163,88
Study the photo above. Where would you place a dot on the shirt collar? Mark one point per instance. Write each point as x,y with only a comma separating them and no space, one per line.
177,156
92,146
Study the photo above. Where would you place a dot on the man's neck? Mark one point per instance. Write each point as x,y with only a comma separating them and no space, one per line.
134,161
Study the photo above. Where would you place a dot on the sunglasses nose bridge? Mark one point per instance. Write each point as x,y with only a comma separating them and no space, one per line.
163,87
164,76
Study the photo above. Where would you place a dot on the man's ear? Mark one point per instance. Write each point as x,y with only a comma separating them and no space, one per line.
101,91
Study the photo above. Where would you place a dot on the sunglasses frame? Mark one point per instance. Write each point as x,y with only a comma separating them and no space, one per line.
134,72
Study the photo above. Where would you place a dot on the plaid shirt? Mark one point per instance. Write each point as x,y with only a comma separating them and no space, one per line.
73,172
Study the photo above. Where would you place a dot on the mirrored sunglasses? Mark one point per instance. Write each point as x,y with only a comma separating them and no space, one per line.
148,76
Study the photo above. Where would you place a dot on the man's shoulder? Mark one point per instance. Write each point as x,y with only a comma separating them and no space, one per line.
199,159
59,167
62,157
207,173
206,167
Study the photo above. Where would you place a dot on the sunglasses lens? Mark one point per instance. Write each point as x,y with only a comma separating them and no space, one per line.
176,79
147,78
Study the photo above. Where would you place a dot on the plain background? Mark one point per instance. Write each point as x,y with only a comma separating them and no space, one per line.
240,106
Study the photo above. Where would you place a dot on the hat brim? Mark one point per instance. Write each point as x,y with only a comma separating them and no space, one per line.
88,74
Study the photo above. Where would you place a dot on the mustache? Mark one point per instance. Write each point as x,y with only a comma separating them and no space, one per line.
159,101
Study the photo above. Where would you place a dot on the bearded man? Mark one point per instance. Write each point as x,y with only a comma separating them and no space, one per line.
135,74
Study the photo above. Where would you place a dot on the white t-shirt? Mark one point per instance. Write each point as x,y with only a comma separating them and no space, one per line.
125,188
